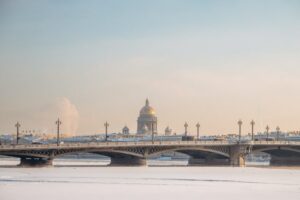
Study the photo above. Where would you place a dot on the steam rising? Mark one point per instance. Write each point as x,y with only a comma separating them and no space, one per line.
69,115
63,109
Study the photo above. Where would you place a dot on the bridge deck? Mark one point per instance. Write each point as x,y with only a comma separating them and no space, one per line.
143,144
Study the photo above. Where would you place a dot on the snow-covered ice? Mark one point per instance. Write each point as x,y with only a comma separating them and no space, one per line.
100,182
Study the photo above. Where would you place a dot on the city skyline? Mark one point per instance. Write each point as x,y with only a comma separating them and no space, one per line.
188,129
197,61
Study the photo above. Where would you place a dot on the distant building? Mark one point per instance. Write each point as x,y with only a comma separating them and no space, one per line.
125,130
6,139
147,120
168,131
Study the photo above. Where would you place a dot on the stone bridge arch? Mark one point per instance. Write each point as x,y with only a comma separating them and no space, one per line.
118,156
181,149
30,157
281,155
198,155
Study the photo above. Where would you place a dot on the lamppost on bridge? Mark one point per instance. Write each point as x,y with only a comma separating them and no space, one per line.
185,128
198,127
252,129
18,125
267,129
58,123
106,126
152,131
278,131
240,129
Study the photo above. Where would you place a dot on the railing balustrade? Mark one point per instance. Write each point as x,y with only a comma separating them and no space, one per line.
143,143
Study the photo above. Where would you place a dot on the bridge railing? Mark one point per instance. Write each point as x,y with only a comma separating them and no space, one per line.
276,142
141,143
113,144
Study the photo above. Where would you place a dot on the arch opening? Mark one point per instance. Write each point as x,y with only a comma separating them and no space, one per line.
80,159
195,156
283,156
105,157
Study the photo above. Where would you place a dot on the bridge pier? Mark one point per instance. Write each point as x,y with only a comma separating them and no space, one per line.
237,156
127,161
35,162
237,161
284,161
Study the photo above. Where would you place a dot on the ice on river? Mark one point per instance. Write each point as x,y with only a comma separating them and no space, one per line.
143,183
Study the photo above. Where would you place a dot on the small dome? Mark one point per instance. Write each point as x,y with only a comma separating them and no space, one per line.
167,129
147,110
125,128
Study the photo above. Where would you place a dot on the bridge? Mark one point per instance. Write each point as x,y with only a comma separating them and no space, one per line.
210,153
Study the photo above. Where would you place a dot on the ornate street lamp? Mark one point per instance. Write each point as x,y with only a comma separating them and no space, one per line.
58,123
278,131
198,127
152,131
185,128
18,125
106,126
252,129
267,129
240,129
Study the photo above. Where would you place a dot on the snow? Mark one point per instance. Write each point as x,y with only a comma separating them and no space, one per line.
101,182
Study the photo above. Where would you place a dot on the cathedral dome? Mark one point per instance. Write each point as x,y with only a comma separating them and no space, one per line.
147,110
147,121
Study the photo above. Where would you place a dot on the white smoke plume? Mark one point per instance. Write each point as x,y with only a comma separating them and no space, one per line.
63,109
68,114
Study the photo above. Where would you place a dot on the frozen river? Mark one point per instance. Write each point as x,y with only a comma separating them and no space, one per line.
143,183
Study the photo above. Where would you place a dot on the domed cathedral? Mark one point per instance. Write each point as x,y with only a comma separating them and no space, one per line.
147,120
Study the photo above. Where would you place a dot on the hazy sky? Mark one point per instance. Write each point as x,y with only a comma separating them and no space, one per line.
90,61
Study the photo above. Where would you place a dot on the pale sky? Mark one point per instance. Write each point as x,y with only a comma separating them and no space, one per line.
209,61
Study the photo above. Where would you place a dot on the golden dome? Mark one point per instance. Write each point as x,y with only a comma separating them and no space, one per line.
147,110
